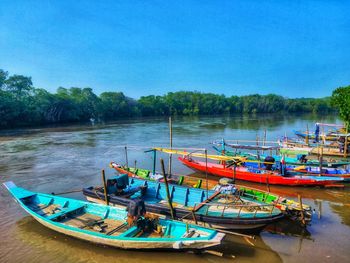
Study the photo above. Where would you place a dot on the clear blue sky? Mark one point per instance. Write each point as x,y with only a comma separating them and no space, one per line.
293,48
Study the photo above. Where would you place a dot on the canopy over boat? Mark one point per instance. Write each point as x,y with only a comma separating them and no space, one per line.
107,226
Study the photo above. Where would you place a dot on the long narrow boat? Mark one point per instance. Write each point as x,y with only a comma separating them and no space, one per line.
289,207
259,176
331,136
335,131
306,170
330,150
288,159
106,225
209,208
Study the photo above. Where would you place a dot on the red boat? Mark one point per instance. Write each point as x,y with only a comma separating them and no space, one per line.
259,176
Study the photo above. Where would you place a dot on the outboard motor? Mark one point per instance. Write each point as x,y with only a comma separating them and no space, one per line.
302,158
136,209
269,162
137,216
225,186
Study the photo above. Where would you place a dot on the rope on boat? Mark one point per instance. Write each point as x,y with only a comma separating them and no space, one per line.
68,192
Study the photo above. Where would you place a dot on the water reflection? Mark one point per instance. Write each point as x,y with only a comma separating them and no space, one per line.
289,228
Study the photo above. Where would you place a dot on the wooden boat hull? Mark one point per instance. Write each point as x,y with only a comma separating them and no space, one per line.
242,173
124,240
288,160
309,171
128,244
235,216
239,227
311,136
289,207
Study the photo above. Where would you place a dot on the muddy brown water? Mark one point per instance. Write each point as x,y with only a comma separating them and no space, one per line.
58,159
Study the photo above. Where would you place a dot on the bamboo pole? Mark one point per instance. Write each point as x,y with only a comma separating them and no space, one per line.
154,160
126,156
171,145
235,233
105,186
301,209
206,169
167,189
68,192
213,252
258,152
307,135
264,140
267,183
321,159
346,141
234,172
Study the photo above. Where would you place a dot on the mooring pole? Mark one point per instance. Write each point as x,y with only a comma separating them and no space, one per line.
154,161
105,186
267,184
206,169
301,209
234,172
126,156
171,145
264,141
321,159
167,189
257,150
346,141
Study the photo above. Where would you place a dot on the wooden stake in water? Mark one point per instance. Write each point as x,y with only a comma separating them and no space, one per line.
321,159
264,141
167,189
126,156
105,187
171,145
346,141
301,209
307,135
267,183
154,161
234,172
257,151
206,169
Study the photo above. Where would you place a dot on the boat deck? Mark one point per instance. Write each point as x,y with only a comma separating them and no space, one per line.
95,223
45,210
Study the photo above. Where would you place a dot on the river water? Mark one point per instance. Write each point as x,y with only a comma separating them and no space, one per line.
58,159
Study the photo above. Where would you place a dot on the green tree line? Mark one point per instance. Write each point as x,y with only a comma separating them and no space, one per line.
23,104
341,101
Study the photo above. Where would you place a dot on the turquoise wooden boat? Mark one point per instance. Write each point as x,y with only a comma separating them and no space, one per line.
216,209
106,225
